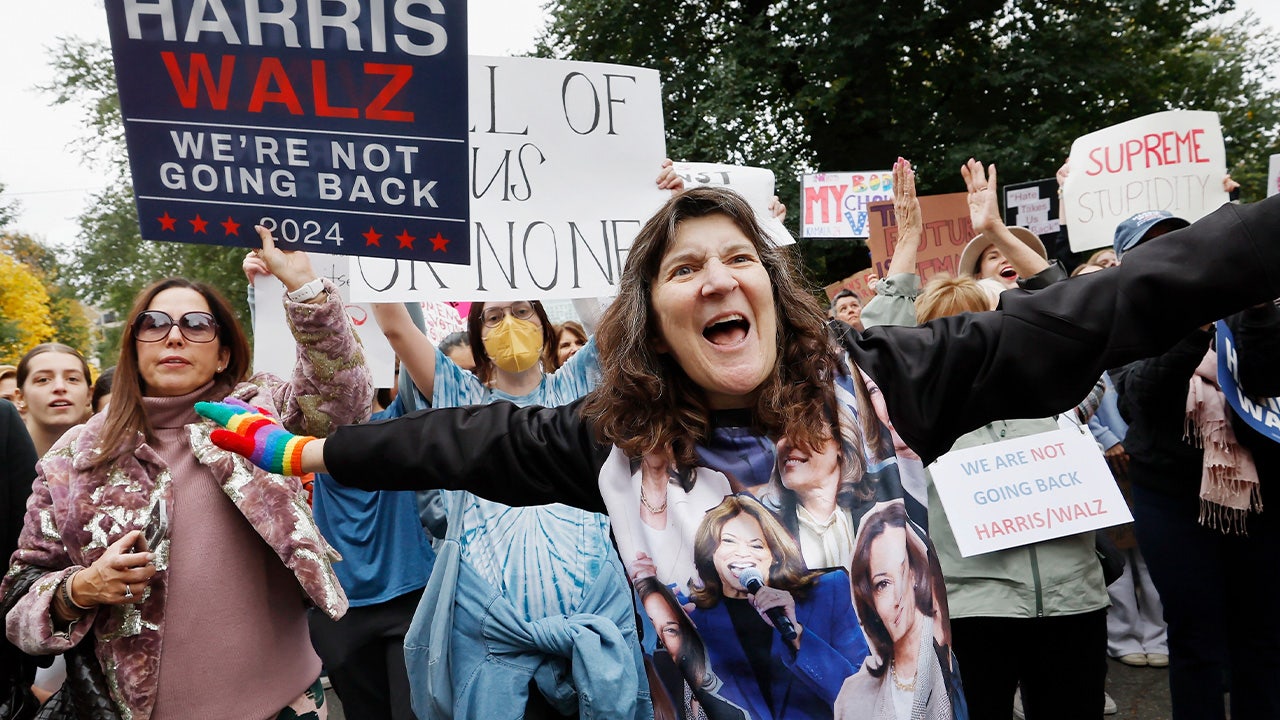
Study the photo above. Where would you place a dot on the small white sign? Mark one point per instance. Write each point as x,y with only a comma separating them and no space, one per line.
1273,176
1172,161
274,350
1025,490
753,183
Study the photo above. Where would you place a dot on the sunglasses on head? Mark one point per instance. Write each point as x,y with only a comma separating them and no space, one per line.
154,326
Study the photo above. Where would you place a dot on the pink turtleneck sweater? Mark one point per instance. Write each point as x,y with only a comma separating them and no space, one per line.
236,643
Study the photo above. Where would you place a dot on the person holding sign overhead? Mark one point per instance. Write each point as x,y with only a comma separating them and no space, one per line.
165,565
712,331
544,562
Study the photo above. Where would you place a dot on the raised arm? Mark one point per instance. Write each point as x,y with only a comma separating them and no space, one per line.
984,212
417,354
954,374
331,384
906,207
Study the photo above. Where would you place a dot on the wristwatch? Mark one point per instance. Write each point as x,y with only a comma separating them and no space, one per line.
307,291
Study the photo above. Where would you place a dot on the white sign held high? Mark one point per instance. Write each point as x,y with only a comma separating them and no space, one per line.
563,161
1025,490
753,183
1171,161
273,348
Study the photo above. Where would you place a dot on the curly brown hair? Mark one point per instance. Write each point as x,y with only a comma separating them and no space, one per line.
645,401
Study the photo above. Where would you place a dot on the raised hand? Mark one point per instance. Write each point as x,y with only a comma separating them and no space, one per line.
906,206
291,268
984,209
256,434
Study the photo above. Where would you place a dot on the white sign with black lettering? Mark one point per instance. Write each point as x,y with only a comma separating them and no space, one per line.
753,183
564,157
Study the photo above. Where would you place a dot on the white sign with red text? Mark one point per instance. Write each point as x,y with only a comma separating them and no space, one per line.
1171,161
1025,490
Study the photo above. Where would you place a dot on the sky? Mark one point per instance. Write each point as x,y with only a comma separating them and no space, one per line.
39,165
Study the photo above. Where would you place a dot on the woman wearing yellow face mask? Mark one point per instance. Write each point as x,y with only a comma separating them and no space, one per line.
546,562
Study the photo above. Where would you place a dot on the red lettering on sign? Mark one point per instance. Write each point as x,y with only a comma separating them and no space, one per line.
187,85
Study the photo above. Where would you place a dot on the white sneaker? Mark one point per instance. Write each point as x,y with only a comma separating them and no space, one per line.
1109,706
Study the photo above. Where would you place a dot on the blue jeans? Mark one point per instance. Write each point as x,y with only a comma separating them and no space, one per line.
1220,595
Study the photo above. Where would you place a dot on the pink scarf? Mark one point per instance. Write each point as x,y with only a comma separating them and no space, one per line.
1229,483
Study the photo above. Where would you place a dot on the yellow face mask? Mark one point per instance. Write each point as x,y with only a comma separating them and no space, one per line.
515,345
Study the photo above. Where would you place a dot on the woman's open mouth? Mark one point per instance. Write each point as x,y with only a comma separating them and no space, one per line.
728,330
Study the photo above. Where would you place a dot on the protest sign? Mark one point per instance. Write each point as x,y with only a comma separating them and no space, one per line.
1171,161
947,229
834,204
755,184
1028,489
856,282
274,350
564,157
1273,176
1261,414
342,130
1034,206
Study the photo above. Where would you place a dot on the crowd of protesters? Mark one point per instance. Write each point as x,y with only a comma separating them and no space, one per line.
715,500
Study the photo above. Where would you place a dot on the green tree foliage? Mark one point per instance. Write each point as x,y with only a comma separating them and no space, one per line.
801,85
8,209
112,262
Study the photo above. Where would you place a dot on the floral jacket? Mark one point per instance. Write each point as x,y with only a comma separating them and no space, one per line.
76,511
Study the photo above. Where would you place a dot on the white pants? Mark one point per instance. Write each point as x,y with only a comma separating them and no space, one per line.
1135,621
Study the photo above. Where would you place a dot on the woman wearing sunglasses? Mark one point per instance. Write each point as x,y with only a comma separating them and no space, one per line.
176,571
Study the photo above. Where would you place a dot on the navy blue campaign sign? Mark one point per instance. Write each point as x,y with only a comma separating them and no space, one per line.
340,125
1261,414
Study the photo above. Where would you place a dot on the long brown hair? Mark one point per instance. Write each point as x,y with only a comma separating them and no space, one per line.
126,416
893,514
787,572
645,400
475,326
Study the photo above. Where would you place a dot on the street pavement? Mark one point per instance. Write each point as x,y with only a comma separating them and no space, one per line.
1141,693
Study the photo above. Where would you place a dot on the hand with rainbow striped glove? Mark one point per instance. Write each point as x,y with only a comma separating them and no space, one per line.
256,434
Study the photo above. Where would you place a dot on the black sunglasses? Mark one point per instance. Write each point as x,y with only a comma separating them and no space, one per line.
154,326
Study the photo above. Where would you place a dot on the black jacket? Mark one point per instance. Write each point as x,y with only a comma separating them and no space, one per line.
1153,398
1037,356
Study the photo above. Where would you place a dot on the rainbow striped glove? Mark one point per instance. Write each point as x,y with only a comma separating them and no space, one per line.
256,434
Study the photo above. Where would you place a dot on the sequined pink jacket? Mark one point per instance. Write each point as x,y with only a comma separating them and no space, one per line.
76,511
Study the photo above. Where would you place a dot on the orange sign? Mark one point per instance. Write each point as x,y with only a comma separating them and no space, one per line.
856,282
947,229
